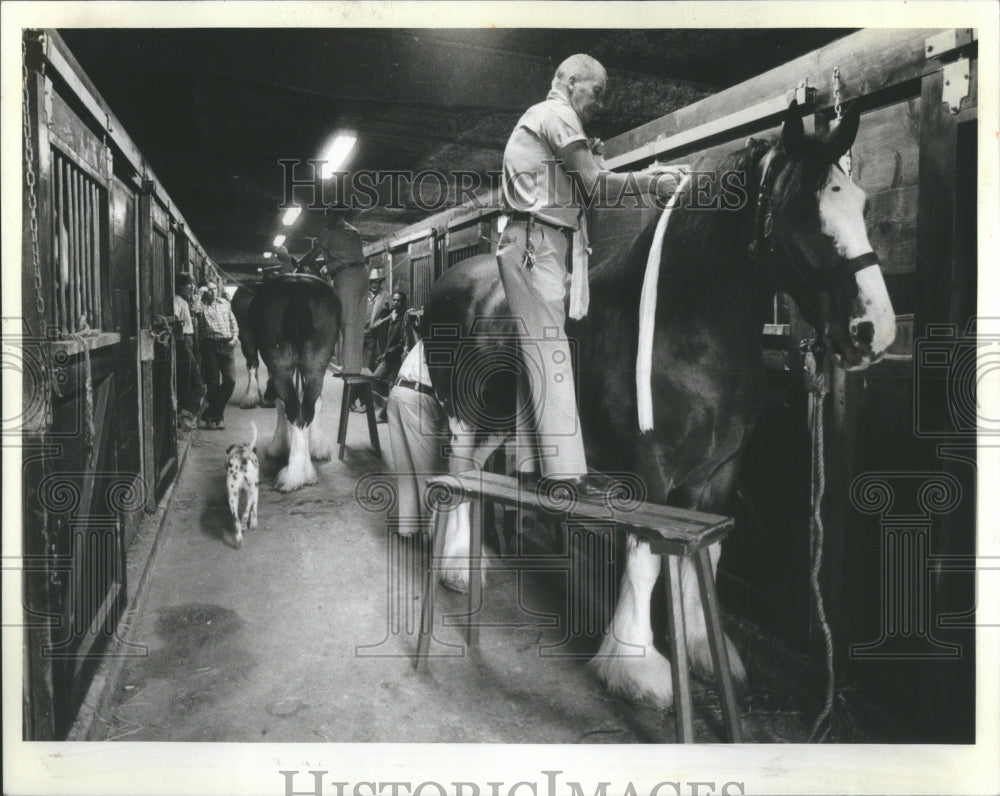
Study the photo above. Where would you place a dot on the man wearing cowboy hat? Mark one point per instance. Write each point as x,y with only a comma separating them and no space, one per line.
345,266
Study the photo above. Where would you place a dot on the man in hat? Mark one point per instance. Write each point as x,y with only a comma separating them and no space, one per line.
376,308
345,266
190,387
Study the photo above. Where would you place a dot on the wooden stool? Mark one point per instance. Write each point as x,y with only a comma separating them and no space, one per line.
671,533
364,383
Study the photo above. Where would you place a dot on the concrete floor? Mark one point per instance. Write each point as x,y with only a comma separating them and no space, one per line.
291,638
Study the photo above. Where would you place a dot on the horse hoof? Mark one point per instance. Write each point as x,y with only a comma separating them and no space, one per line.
700,658
634,674
456,581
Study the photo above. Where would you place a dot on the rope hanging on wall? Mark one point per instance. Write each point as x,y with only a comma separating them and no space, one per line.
817,385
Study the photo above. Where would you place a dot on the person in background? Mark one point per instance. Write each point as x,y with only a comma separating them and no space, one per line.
395,348
345,266
286,263
376,308
219,332
190,387
418,435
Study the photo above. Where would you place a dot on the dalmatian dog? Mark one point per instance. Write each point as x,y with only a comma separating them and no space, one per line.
242,477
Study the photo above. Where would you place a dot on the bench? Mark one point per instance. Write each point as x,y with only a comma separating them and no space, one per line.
364,384
672,533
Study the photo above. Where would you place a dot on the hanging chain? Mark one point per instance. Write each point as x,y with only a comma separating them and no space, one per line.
845,161
46,382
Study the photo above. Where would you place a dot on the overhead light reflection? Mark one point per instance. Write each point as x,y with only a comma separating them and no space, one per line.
291,214
279,240
336,153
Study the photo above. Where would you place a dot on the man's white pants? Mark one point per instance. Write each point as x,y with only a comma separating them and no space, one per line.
537,297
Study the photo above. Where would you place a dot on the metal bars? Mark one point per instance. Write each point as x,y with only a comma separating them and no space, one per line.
78,266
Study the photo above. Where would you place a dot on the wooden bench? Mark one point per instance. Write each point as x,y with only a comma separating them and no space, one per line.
364,384
671,533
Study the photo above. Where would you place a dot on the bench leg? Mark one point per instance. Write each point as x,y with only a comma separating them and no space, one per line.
717,644
678,650
372,422
475,575
345,410
439,524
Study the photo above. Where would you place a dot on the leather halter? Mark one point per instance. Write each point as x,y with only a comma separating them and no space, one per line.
764,239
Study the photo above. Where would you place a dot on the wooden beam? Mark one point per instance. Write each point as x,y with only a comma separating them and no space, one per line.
870,61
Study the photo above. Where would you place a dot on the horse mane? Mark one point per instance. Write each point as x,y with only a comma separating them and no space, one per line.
705,248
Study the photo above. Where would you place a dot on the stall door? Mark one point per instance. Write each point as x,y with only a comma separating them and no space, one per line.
157,352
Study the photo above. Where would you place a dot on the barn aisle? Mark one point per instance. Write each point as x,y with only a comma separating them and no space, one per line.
289,638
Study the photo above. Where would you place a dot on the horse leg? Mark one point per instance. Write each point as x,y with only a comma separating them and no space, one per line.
711,498
466,455
319,446
299,471
251,397
627,662
278,447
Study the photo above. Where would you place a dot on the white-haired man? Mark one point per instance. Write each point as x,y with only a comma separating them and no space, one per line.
549,169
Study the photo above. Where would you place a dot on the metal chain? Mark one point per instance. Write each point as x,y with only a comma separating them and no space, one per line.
845,161
47,382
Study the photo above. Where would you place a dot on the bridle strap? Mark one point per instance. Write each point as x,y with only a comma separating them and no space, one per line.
764,240
844,270
763,230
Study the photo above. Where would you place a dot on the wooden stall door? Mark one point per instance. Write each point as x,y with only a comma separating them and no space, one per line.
124,286
157,351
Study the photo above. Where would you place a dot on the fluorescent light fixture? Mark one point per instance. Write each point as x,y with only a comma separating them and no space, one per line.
268,255
291,214
336,153
279,240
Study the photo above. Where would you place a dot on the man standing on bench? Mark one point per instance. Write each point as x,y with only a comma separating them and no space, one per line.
548,162
345,266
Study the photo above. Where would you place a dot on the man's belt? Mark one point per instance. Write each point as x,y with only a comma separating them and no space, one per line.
415,385
532,218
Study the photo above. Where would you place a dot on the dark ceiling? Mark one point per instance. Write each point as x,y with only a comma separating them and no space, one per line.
215,110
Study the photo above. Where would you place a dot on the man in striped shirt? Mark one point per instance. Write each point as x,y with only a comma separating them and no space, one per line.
218,332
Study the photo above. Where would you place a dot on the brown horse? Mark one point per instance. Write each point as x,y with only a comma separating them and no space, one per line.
801,230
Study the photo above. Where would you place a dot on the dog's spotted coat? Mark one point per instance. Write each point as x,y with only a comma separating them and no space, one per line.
242,477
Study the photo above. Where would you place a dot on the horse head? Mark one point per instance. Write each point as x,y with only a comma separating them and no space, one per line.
810,228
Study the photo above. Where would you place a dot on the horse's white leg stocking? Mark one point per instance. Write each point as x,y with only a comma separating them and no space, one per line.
251,398
278,447
627,662
319,445
299,471
696,633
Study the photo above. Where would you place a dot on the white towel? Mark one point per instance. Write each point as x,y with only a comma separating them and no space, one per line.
579,285
647,316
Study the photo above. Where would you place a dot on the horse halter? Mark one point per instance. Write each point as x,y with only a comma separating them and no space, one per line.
764,239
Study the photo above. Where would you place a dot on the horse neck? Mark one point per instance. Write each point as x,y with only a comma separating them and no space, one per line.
708,281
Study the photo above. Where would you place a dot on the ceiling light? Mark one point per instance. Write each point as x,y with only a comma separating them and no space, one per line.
336,153
291,214
268,255
278,240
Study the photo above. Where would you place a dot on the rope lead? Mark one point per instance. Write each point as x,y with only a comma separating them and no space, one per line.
817,383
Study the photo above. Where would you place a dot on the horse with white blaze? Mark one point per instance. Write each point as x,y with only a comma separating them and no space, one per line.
698,374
